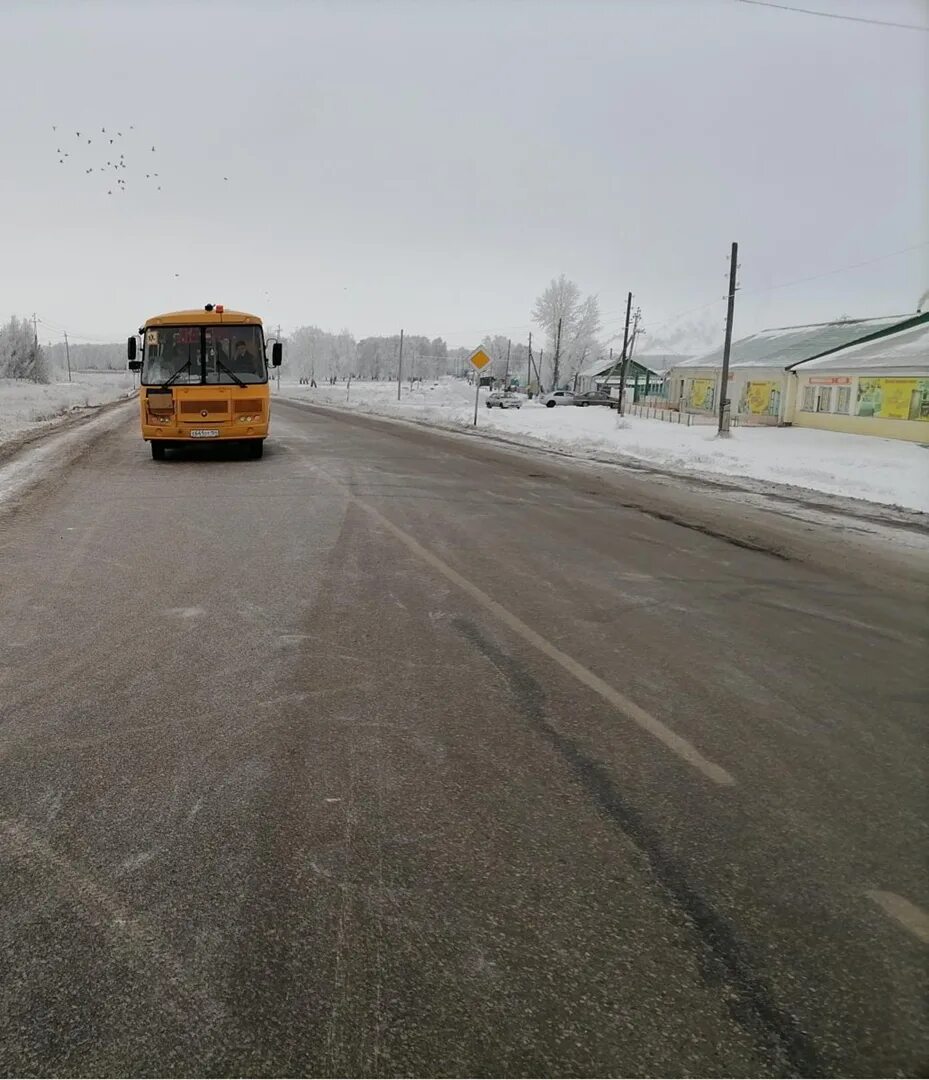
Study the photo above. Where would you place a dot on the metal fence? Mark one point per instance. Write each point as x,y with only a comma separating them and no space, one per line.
651,412
672,416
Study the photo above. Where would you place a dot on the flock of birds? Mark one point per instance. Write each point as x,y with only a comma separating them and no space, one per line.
111,168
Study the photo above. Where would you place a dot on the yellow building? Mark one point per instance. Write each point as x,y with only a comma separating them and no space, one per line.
879,387
759,386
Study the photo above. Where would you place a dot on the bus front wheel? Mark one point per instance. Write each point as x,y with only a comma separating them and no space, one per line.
158,450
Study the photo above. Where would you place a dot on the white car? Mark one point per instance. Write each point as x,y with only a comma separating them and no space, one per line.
504,399
558,397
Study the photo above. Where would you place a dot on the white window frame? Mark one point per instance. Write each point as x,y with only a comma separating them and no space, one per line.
843,399
824,399
808,401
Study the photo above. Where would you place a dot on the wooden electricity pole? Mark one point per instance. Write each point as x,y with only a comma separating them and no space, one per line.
557,360
625,361
724,411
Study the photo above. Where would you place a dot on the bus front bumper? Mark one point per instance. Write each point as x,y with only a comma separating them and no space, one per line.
203,432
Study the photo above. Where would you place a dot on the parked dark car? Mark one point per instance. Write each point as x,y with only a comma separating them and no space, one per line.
594,397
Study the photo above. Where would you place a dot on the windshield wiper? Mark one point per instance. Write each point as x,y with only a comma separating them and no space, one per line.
182,368
232,375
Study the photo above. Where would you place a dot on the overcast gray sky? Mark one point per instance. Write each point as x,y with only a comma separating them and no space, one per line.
433,165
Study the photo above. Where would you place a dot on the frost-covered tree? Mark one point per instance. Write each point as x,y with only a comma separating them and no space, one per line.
495,345
21,357
580,322
318,354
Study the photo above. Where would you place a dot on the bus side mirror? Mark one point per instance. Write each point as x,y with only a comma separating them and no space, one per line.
130,346
276,353
135,365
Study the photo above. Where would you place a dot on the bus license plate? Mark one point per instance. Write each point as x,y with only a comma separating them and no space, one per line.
204,433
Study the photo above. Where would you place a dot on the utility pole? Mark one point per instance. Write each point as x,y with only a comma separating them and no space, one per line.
506,373
529,365
68,355
622,370
35,345
555,371
633,338
537,367
724,410
400,366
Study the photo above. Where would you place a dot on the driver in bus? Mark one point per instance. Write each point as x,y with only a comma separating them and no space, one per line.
244,358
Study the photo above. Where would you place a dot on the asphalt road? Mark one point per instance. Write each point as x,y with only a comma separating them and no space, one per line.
397,754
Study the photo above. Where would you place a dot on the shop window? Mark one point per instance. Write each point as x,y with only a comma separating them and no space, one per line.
824,399
808,399
842,399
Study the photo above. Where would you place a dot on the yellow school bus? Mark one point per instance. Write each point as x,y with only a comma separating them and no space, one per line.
204,376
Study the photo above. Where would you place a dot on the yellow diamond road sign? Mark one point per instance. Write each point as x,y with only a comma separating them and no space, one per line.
479,359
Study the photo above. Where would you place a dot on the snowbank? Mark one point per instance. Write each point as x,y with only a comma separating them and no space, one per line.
27,405
854,466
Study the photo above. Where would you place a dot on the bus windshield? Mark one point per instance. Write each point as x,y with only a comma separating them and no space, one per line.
200,355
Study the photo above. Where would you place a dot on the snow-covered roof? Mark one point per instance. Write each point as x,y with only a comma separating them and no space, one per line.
905,349
658,363
785,346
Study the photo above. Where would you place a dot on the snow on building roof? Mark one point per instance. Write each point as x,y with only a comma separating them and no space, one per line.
786,346
657,363
908,348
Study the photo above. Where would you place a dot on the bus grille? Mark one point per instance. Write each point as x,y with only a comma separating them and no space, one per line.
211,408
247,405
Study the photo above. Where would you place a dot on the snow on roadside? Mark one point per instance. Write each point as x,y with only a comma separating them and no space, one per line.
26,405
886,471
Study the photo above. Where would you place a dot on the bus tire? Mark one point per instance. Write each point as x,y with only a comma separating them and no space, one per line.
255,448
158,449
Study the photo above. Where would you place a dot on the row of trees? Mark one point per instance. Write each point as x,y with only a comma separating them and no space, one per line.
88,357
21,356
569,323
317,354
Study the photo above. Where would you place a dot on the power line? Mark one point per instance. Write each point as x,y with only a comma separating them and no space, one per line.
93,339
785,284
834,15
841,269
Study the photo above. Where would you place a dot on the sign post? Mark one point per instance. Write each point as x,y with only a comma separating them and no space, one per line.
478,360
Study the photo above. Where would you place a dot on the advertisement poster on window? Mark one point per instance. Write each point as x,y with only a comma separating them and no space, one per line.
894,399
702,392
761,398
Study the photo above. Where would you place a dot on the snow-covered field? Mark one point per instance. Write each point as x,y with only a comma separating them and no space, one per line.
26,405
856,466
